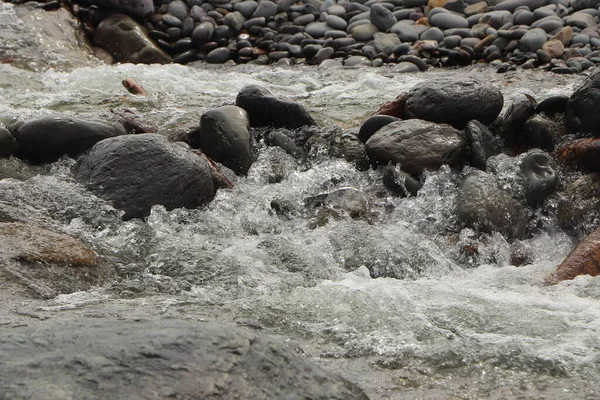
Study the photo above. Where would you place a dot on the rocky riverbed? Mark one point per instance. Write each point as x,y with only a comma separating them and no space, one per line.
245,231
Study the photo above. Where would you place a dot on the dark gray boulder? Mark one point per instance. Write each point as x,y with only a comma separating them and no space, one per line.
483,206
454,102
482,144
135,172
128,42
47,138
158,359
583,107
224,136
8,144
398,182
373,124
510,125
264,109
416,145
541,179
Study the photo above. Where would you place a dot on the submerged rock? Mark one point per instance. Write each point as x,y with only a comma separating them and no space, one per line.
583,107
482,144
482,205
541,179
416,145
158,359
135,172
48,138
454,102
264,109
37,262
582,154
8,143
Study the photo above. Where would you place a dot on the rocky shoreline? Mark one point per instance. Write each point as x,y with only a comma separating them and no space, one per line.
559,35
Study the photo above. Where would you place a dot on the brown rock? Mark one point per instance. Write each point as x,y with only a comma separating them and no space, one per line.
46,263
477,8
554,47
436,3
583,260
395,108
581,154
564,35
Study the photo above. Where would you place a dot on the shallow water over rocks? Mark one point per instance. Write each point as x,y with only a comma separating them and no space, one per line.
382,292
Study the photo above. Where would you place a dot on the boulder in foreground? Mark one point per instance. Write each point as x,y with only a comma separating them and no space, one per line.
583,107
135,172
158,359
583,260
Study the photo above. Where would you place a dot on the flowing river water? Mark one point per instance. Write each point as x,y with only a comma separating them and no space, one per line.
453,325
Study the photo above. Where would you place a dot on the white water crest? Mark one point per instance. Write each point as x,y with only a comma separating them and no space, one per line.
436,324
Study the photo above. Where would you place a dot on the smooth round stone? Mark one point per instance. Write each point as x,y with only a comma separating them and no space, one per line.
581,20
406,33
422,65
354,61
343,42
278,55
448,21
317,29
335,34
203,32
452,41
533,40
543,12
304,19
362,15
495,19
247,8
551,25
433,34
595,42
364,33
310,50
330,64
234,20
185,57
336,22
337,10
405,67
323,54
218,56
178,9
524,18
197,13
183,44
541,179
579,38
386,42
187,27
174,33
470,42
265,9
171,20
381,17
414,3
254,22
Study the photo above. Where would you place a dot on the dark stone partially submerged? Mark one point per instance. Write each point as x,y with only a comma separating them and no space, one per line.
105,359
583,107
135,172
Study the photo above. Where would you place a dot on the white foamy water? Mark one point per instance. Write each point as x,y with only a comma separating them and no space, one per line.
449,327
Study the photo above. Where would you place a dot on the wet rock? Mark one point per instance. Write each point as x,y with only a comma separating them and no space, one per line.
159,359
583,260
15,168
583,154
135,172
264,109
347,200
348,146
373,124
583,108
416,145
543,132
398,182
541,178
203,32
47,138
552,105
127,41
224,136
40,263
381,17
454,102
139,8
218,56
579,208
284,139
482,206
405,67
511,123
482,144
533,40
447,20
386,42
8,144
394,108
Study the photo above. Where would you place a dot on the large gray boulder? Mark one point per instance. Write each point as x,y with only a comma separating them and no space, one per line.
128,42
264,109
454,102
583,107
416,145
135,172
48,138
157,359
224,136
482,205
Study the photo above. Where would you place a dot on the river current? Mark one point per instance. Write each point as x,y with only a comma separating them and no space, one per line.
452,326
